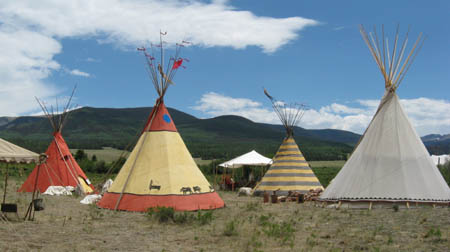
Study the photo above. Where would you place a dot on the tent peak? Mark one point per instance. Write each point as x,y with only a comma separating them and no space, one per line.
393,64
162,73
289,114
56,117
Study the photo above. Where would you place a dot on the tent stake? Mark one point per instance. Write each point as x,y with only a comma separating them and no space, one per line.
6,183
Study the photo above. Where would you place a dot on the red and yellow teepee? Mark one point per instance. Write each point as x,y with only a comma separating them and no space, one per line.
160,171
60,169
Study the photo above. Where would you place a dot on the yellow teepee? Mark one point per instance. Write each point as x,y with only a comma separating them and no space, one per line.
289,170
160,171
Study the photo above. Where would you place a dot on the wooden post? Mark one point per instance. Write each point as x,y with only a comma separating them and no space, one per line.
232,179
42,160
339,204
407,204
370,205
6,183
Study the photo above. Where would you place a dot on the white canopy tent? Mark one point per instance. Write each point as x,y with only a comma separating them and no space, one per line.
440,159
251,158
11,153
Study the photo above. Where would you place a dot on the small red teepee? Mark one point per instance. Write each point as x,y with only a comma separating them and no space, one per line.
61,169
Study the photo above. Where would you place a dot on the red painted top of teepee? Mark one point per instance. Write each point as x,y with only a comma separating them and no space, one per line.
160,119
61,169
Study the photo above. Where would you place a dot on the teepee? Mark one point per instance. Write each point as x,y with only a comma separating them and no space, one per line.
160,171
390,162
60,169
289,170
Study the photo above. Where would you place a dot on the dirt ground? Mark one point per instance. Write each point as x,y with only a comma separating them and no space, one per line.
245,224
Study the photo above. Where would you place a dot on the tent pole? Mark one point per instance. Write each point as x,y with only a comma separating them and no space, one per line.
42,159
6,183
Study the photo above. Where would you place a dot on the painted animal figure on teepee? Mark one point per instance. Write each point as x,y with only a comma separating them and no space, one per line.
60,169
160,171
289,170
390,164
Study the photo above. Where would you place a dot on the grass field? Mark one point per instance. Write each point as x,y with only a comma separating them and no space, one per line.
106,154
245,224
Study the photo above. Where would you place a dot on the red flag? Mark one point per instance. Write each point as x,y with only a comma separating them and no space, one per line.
177,64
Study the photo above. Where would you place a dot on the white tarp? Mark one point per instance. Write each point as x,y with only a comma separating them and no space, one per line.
440,159
390,163
252,158
106,185
15,154
90,199
59,190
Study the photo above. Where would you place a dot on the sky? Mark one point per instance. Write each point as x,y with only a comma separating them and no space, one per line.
300,51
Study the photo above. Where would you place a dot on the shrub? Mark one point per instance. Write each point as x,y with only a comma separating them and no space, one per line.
230,229
162,214
205,218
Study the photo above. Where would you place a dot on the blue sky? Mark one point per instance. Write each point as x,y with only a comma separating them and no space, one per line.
306,51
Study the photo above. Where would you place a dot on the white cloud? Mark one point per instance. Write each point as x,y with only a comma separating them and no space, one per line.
427,115
213,104
77,72
26,59
135,22
30,34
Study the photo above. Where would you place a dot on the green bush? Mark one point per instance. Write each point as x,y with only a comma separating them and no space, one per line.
166,214
162,214
230,229
204,218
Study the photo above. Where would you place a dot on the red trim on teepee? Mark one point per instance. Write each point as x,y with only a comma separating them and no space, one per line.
162,121
140,203
55,172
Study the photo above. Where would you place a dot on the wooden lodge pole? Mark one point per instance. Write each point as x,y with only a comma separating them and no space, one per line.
6,183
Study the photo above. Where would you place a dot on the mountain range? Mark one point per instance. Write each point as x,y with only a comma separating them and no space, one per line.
219,137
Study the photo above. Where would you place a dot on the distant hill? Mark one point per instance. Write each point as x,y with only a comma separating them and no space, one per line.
437,144
221,137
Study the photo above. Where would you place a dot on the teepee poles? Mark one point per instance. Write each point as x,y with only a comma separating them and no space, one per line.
289,114
396,67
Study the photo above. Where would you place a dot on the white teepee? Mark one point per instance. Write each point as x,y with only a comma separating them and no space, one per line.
390,163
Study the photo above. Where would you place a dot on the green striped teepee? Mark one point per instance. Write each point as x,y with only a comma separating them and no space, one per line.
289,170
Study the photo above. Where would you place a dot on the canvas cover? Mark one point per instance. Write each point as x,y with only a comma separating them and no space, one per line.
289,172
390,163
160,172
11,153
251,158
61,169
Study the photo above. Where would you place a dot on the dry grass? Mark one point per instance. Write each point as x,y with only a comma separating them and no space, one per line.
332,164
246,224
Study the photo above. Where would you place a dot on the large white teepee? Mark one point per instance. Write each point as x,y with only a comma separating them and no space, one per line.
390,163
